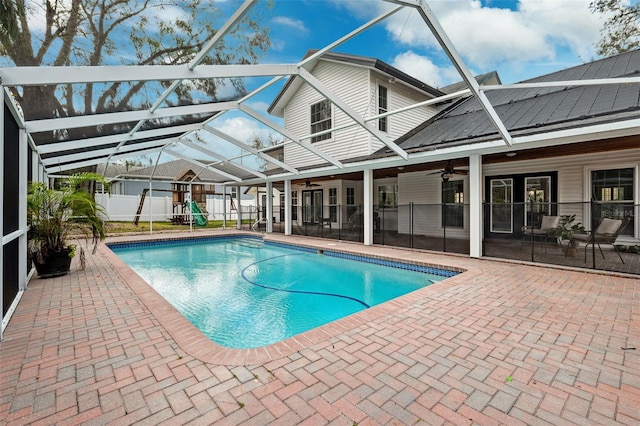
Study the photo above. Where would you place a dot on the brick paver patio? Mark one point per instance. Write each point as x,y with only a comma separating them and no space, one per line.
503,343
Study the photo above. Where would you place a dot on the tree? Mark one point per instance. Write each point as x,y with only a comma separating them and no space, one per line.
9,14
260,142
621,31
112,32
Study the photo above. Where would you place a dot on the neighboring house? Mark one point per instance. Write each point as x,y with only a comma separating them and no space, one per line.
112,173
167,175
170,181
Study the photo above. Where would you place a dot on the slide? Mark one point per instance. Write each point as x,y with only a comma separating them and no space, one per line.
198,216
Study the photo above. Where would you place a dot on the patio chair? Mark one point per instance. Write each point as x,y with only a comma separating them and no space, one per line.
547,230
606,233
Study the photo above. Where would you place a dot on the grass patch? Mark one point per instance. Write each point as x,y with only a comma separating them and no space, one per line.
113,227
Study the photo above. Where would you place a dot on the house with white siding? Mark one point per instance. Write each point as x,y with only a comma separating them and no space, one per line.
575,151
371,88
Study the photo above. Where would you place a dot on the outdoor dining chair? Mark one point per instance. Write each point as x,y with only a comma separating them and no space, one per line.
547,230
606,233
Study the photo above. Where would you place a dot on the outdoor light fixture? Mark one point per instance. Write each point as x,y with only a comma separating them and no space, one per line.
510,154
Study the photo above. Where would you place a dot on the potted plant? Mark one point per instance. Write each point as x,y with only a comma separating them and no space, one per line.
55,215
567,227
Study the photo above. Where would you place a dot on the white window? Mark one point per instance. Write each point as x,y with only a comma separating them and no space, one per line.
388,196
613,190
333,204
321,120
294,205
453,203
382,108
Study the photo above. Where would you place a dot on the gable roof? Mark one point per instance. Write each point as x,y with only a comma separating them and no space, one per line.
293,83
527,111
172,171
490,77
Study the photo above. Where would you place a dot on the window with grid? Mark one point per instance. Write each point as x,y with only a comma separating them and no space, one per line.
453,203
321,120
613,191
382,108
351,201
333,204
294,205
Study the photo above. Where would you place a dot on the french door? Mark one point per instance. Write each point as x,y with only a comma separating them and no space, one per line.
518,200
312,206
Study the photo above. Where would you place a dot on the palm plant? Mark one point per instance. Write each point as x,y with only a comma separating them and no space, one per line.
567,227
55,215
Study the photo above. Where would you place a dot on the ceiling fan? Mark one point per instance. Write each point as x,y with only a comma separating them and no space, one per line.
307,184
449,171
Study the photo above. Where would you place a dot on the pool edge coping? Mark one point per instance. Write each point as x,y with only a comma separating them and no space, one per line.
194,343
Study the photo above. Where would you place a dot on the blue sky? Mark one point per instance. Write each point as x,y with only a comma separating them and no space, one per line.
520,39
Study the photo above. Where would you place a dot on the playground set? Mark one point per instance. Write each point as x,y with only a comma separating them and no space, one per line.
189,200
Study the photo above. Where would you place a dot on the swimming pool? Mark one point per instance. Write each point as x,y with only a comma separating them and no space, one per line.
242,292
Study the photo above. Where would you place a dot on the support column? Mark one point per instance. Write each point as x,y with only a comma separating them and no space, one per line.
22,212
476,225
150,207
269,198
287,207
2,142
238,208
224,206
368,207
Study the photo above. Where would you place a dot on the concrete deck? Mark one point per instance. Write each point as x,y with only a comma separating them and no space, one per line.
502,343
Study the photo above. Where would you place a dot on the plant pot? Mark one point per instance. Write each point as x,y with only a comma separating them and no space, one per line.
571,251
57,263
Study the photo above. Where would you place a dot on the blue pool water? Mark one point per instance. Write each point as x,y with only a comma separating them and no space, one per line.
243,293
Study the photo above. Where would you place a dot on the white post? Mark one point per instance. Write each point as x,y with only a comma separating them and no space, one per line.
224,206
238,208
150,208
190,204
287,207
2,142
475,206
22,212
269,207
368,207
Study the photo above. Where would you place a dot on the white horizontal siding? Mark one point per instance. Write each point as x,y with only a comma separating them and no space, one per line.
424,191
399,96
349,84
573,175
422,188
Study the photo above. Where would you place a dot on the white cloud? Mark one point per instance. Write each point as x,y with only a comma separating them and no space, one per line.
241,128
422,68
291,23
259,106
488,35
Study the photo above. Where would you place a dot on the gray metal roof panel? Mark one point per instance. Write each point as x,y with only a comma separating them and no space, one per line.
535,110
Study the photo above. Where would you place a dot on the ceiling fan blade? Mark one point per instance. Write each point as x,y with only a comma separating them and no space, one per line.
461,172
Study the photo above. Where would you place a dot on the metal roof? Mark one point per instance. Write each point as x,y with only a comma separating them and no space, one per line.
534,109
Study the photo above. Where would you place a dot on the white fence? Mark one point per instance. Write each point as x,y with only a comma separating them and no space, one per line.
123,208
